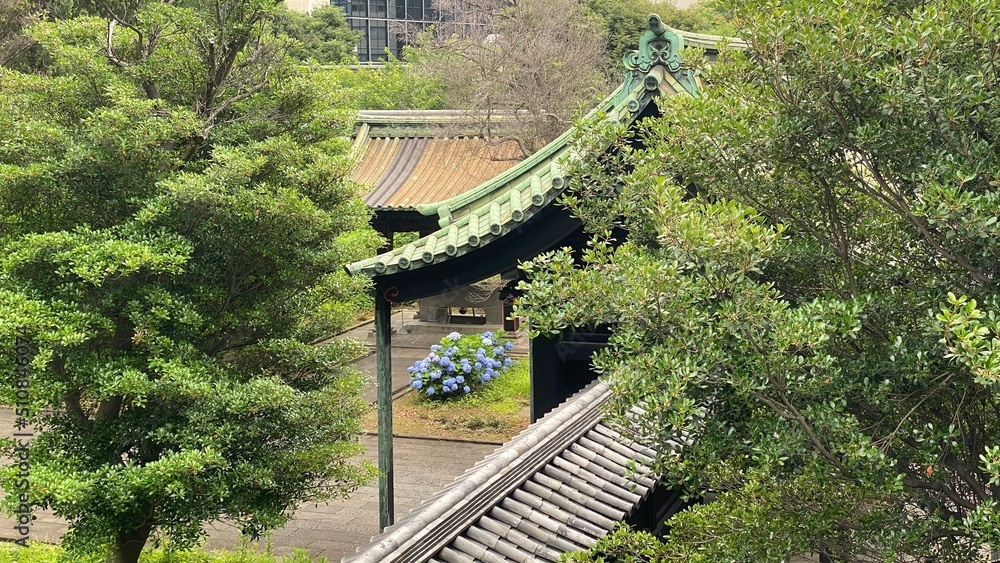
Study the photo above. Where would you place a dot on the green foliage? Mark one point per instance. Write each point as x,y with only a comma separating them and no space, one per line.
403,239
504,394
15,47
460,365
322,36
392,85
175,207
622,545
813,316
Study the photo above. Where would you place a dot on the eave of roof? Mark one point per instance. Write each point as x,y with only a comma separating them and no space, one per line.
558,486
487,212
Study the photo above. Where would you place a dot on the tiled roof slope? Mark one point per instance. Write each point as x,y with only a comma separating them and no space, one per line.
406,171
559,486
486,213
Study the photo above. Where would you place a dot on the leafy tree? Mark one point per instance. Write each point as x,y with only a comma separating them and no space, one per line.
175,210
322,36
391,86
522,69
812,317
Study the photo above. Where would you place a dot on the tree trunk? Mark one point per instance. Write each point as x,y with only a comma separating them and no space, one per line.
128,545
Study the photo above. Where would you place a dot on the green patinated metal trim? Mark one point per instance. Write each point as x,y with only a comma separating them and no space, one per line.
429,123
494,208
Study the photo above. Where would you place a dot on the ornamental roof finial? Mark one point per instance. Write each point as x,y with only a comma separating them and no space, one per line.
659,45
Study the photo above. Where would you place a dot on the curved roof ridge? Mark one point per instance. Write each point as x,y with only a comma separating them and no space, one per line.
553,150
498,206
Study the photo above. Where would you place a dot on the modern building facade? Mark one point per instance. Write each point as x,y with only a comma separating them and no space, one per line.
378,22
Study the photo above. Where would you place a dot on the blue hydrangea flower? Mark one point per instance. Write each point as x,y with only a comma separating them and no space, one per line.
489,372
436,374
430,391
479,365
498,351
486,377
466,389
480,352
506,362
466,368
487,342
508,346
448,382
437,347
488,334
460,379
454,336
417,384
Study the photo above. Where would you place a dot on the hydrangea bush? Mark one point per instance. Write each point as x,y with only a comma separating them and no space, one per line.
460,364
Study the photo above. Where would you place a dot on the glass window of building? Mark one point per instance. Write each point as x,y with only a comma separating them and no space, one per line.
374,19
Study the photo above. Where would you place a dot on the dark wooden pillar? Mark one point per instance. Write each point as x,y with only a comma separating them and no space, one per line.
383,382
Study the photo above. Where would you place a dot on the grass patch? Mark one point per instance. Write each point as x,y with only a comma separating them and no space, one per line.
47,553
504,395
494,413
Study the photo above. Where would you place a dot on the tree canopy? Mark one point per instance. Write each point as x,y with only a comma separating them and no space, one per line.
806,303
521,69
175,208
322,36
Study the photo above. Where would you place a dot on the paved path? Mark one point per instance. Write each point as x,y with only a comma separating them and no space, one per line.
333,530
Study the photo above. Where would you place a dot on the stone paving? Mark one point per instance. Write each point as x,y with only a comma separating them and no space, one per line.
332,530
423,467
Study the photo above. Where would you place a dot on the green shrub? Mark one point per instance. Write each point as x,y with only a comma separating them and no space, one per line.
460,364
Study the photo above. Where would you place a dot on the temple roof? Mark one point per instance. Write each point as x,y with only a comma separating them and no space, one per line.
559,486
483,215
415,157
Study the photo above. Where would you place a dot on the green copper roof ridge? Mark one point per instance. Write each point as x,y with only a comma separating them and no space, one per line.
515,171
